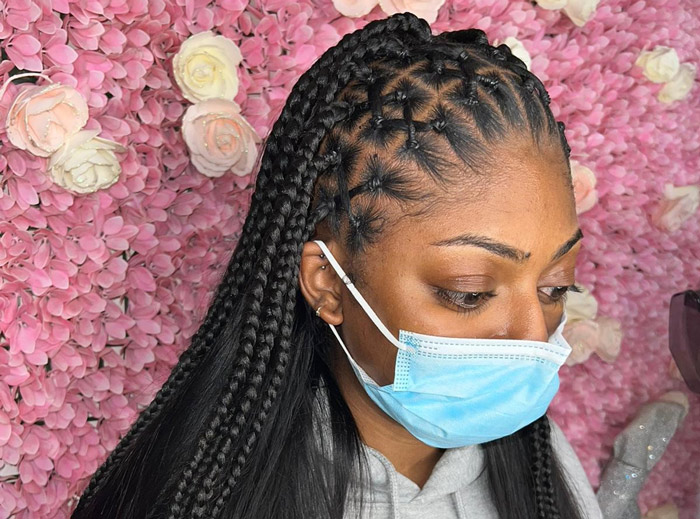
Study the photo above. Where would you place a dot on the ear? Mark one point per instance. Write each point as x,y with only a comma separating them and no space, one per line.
321,286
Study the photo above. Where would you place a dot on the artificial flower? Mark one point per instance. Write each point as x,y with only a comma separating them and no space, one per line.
518,50
602,336
659,65
678,204
580,11
219,138
86,163
354,8
42,118
584,181
680,85
206,67
580,305
551,4
667,511
426,9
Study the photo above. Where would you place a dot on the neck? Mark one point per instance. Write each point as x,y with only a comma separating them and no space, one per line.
409,456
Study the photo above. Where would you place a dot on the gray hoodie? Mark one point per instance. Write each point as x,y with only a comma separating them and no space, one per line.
457,487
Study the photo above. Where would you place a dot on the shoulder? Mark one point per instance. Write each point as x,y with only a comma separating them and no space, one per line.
576,476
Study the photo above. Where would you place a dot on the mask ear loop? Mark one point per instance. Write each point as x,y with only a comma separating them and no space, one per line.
375,318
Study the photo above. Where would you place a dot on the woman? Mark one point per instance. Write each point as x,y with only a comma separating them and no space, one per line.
429,174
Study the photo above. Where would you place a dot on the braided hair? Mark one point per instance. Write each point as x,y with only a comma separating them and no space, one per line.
232,433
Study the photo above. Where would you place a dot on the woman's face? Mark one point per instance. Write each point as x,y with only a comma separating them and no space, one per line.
515,243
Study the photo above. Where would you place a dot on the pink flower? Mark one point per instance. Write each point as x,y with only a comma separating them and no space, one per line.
43,118
426,9
584,181
219,138
679,204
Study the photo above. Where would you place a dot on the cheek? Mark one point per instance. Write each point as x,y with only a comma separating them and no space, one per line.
367,345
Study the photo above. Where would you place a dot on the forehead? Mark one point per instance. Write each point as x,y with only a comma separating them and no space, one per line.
526,201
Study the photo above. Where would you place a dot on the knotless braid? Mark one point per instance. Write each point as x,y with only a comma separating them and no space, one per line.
542,469
221,429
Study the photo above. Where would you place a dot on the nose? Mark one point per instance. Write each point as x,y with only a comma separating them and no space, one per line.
527,324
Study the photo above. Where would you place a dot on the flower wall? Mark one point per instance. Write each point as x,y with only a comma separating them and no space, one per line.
109,254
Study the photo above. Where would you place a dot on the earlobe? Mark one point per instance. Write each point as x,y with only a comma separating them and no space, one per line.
319,284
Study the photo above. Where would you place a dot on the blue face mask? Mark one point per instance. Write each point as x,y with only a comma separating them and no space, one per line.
453,391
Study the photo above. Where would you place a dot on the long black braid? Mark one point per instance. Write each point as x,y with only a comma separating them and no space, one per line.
229,433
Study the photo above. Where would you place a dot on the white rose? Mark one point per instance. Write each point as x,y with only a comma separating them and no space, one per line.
681,84
86,163
580,306
580,11
519,50
679,204
206,66
551,4
659,65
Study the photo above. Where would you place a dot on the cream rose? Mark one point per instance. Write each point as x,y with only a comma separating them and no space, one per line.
580,11
551,4
426,9
667,511
518,50
86,163
584,182
219,138
680,85
206,66
580,306
679,204
609,338
354,8
659,65
43,118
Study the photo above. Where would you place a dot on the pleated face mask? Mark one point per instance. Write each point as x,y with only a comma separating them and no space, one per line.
454,391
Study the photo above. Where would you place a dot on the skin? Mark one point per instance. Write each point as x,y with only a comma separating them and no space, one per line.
528,206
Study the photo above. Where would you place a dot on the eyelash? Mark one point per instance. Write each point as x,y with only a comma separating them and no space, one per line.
458,298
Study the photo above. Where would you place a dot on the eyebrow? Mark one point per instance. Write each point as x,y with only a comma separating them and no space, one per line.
506,251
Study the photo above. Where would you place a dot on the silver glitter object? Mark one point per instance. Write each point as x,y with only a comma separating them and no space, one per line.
635,452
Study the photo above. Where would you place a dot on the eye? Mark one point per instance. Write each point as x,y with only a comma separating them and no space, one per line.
558,294
466,302
474,302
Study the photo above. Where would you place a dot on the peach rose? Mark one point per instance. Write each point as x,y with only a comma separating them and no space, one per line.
354,8
582,336
426,9
659,65
206,66
43,118
584,182
219,138
680,85
580,11
679,204
86,163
